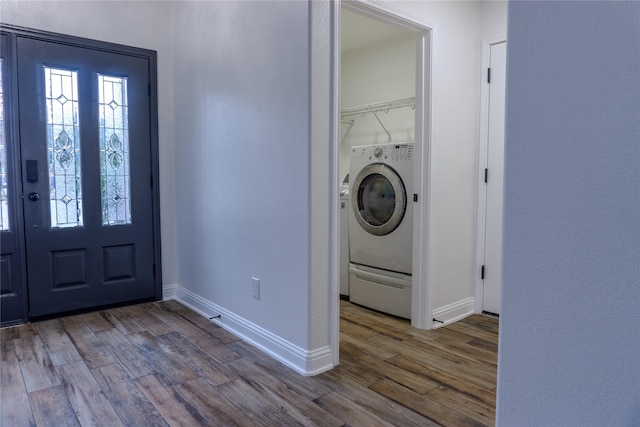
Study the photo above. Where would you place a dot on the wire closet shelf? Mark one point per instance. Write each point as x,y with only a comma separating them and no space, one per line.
375,109
380,106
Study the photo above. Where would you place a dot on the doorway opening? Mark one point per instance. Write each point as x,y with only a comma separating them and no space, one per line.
422,313
409,111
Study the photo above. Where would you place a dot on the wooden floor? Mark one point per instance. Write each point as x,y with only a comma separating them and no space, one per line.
162,364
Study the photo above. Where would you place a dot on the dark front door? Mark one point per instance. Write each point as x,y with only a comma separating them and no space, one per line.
86,161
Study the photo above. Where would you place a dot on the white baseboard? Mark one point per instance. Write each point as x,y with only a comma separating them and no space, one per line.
453,312
305,362
169,291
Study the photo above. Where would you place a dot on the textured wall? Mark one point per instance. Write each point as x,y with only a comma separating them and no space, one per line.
242,131
569,349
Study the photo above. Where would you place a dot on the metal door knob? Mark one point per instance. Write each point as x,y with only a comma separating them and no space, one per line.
34,197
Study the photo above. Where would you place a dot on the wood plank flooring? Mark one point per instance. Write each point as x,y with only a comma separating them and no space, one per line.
161,364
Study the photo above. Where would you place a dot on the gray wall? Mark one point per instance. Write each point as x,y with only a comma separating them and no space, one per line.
241,73
570,325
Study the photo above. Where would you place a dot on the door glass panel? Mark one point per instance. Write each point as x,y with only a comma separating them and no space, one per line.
63,137
114,150
4,207
376,199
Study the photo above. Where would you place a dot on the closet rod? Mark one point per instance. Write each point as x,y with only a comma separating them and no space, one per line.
381,106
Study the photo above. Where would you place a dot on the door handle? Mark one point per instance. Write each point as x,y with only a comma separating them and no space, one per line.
34,197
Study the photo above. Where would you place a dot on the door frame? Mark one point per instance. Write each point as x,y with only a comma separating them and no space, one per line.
14,173
13,137
421,293
483,151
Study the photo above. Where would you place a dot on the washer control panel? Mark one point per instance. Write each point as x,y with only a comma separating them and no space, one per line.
383,152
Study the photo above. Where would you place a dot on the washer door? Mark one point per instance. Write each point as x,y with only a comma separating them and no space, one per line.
379,199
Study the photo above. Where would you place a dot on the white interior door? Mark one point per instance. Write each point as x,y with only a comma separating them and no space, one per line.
492,285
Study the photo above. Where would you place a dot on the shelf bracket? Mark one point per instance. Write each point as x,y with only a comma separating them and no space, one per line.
381,124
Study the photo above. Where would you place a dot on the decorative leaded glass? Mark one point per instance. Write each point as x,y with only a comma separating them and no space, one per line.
63,144
4,207
114,150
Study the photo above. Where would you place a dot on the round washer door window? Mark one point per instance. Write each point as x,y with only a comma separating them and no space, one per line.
379,199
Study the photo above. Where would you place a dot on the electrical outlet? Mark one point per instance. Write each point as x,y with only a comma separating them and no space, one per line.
255,287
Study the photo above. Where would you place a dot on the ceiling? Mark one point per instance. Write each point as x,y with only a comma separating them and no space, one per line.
358,31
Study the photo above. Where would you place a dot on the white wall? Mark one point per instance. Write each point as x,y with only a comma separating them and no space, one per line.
242,159
493,21
382,72
379,73
569,350
456,55
141,24
253,167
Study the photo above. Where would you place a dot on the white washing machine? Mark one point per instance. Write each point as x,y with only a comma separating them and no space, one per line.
381,227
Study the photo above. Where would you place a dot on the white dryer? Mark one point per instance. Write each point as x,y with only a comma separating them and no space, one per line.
381,227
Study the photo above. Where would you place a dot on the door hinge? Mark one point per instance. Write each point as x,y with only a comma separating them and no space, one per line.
488,75
486,174
151,180
482,272
415,197
149,89
154,271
